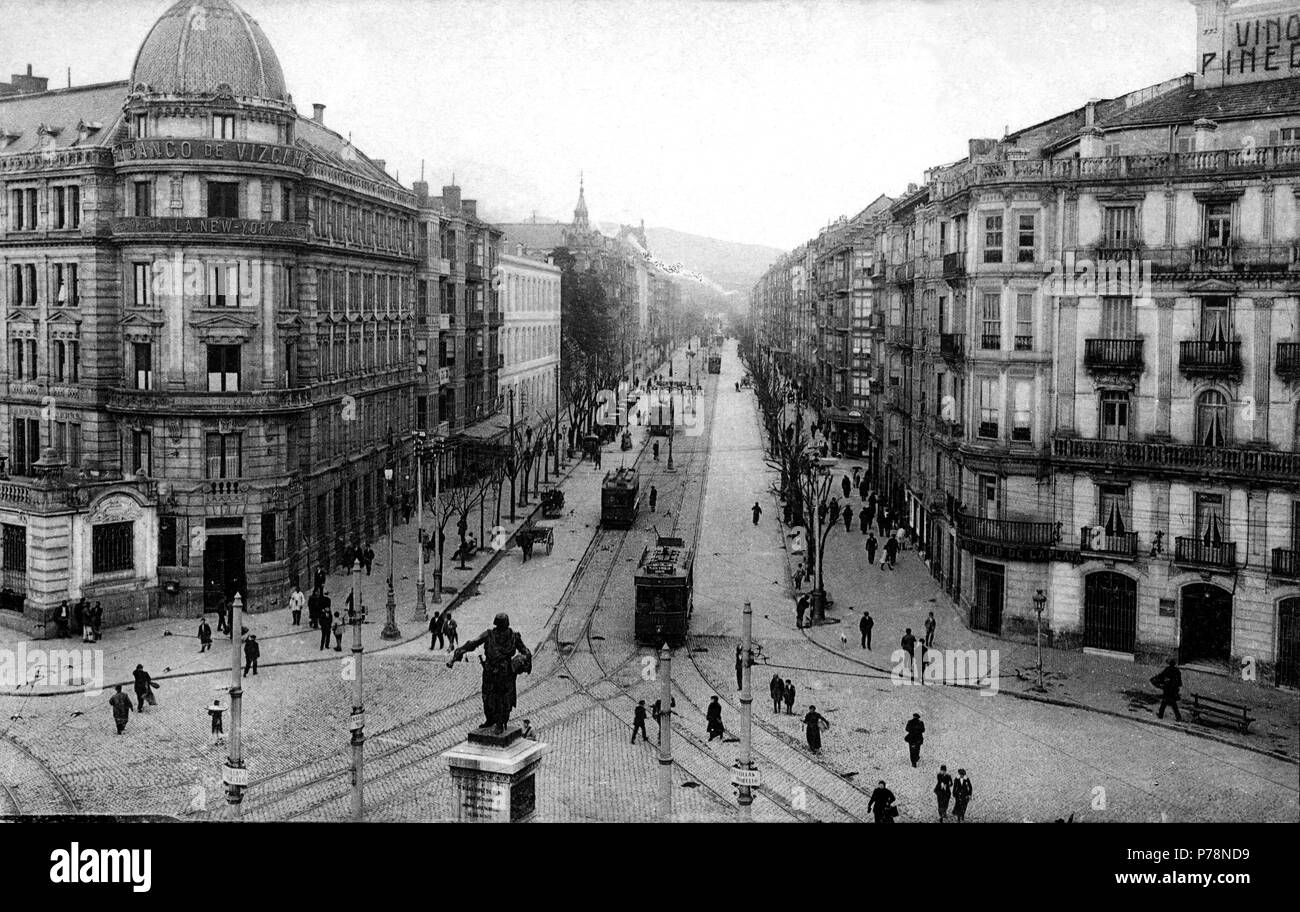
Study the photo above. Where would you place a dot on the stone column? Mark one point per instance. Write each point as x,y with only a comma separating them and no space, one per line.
1164,360
267,288
1261,358
1066,366
1256,544
173,303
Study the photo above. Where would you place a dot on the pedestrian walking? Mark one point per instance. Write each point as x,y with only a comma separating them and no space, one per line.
915,737
788,696
79,615
655,450
864,521
813,724
638,722
882,521
864,628
908,642
846,487
654,498
1170,682
930,624
368,558
313,608
740,667
435,631
252,652
121,705
834,511
449,627
144,688
296,601
857,476
97,621
205,635
338,632
713,716
891,553
848,518
215,712
222,624
961,792
798,577
943,792
757,511
320,578
800,606
62,618
863,490
326,627
776,687
872,545
881,804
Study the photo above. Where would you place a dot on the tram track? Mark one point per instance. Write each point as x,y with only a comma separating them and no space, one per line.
49,792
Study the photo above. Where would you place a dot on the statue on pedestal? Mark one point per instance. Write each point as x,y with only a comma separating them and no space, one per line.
504,657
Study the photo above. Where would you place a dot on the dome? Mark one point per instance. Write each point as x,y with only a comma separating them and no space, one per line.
199,45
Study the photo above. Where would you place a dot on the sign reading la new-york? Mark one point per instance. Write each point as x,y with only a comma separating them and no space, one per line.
210,150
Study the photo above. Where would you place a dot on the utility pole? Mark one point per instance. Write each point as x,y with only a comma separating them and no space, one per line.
672,428
514,453
438,519
557,419
746,718
421,613
357,722
390,631
235,776
666,735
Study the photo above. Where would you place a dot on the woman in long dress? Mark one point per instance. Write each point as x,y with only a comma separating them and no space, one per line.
813,724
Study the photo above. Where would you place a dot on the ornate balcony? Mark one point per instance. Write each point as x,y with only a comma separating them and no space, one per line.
1204,358
900,336
473,272
1175,459
952,346
954,264
1009,539
1095,540
1287,364
989,342
1113,354
1196,552
1286,563
184,402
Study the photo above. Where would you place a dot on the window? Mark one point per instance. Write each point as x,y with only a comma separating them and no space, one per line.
991,322
22,361
1114,415
1210,518
223,456
1110,150
422,413
992,239
1113,509
140,124
143,196
67,361
1212,419
1214,320
140,284
1117,319
23,211
23,284
290,365
1119,226
1218,224
223,126
223,368
989,503
1287,136
167,541
989,408
66,292
142,363
1026,223
223,199
1024,322
268,538
139,456
223,285
1023,416
1186,144
112,547
24,445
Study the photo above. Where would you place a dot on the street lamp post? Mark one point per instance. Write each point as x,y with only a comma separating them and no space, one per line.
235,775
390,631
514,466
672,422
358,719
439,520
421,613
1040,602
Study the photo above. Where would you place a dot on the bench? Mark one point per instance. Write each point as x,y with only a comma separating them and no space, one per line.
1221,711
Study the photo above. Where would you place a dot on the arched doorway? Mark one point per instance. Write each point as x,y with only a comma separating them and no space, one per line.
1288,642
1206,625
1109,612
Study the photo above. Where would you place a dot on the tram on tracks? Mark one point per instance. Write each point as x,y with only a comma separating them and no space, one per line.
620,497
715,362
665,585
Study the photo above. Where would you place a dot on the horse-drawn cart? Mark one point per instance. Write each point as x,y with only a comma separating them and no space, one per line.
553,503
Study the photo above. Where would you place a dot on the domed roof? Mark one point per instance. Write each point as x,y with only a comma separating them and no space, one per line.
199,45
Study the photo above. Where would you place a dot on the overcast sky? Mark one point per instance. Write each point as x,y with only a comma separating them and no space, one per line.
755,121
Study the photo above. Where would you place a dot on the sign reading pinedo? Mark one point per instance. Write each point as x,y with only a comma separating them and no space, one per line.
495,767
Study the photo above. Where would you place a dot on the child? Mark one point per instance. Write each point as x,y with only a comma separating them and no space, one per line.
338,632
215,711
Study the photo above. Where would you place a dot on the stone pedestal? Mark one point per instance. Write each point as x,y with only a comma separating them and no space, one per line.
495,776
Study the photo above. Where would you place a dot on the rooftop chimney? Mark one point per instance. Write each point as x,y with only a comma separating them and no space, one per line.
1090,112
470,208
380,163
318,113
421,190
451,198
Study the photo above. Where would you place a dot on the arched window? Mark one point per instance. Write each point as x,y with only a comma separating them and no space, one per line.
1212,419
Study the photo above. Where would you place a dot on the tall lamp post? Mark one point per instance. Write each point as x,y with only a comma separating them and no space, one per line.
821,469
390,631
514,462
421,613
1040,602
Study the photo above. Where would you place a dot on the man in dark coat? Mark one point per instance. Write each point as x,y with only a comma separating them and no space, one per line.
222,624
789,697
930,624
1170,682
834,511
79,614
740,668
800,606
205,635
943,792
864,627
144,686
121,705
505,656
326,624
872,544
757,511
848,518
435,631
252,652
864,520
638,722
368,558
881,803
654,498
812,723
846,486
915,736
713,715
908,642
776,687
961,792
63,618
891,553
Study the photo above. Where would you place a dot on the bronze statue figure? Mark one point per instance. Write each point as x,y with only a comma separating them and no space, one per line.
504,657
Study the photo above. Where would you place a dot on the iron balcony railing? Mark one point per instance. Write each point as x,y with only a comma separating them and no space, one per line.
990,342
1009,538
1096,540
1286,562
1288,360
952,346
954,264
1209,358
1176,458
1112,354
1201,553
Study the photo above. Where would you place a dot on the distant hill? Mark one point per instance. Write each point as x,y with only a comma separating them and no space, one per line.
734,266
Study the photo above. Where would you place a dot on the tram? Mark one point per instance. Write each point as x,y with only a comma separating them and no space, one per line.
715,362
665,584
660,412
620,496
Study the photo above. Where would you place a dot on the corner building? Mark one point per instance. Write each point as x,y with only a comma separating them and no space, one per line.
208,333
